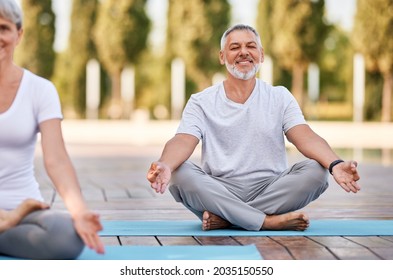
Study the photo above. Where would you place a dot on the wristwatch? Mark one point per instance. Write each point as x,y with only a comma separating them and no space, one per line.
333,164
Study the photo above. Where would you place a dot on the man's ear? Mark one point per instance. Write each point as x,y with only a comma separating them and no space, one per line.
262,55
222,60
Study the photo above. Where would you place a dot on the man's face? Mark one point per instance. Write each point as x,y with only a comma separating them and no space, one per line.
241,54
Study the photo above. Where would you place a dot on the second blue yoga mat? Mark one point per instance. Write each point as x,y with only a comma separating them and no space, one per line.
249,252
193,228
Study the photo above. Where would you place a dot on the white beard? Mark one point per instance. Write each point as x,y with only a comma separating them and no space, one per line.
241,75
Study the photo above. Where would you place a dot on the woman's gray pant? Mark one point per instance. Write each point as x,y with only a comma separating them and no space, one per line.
246,204
43,234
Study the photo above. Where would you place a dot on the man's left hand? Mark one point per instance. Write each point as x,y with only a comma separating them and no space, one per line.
346,175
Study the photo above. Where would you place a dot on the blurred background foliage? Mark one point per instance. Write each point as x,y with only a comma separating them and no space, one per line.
294,34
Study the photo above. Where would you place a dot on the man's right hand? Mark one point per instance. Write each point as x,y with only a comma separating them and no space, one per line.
159,176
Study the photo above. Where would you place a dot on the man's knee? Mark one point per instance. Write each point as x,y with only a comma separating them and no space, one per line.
188,182
179,192
314,177
322,174
318,176
316,171
187,177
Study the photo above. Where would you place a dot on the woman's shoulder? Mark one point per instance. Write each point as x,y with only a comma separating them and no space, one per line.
35,81
34,78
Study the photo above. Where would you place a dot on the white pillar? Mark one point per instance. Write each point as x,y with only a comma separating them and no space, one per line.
178,87
128,90
92,89
266,70
313,82
359,79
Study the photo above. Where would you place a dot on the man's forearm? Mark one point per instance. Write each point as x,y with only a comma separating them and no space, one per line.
318,149
177,150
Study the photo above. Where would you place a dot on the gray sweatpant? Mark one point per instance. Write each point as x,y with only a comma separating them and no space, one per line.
44,234
246,204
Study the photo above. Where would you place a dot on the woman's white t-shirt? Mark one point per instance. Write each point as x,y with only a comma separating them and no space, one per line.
36,101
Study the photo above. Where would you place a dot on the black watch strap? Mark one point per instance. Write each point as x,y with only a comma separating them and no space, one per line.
333,164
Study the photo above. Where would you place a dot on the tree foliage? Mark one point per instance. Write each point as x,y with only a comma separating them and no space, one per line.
335,66
193,34
263,24
372,36
298,32
120,35
35,51
81,49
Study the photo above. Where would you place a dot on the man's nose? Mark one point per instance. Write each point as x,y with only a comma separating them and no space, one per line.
244,50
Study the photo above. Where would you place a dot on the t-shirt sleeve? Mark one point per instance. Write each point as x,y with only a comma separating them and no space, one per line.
293,115
192,119
48,104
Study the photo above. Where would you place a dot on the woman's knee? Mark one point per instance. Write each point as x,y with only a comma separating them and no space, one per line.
44,235
63,242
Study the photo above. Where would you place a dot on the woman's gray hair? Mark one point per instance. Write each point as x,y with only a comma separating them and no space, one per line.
239,27
11,11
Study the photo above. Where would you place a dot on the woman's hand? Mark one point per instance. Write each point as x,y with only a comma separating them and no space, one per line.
88,224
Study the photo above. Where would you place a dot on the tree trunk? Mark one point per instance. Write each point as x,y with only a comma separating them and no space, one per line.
297,83
387,97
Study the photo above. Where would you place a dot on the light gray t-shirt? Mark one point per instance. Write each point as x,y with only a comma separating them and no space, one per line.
242,141
36,101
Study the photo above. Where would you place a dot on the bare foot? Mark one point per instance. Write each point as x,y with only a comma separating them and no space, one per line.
11,218
287,221
211,221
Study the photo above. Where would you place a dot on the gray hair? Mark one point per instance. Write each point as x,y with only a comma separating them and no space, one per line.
11,11
239,27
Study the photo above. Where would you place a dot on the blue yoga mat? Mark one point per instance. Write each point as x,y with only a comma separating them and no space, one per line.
193,228
248,252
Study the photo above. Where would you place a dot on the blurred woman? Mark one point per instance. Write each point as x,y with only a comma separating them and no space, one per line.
30,105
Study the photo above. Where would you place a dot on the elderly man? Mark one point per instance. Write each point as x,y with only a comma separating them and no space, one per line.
244,179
